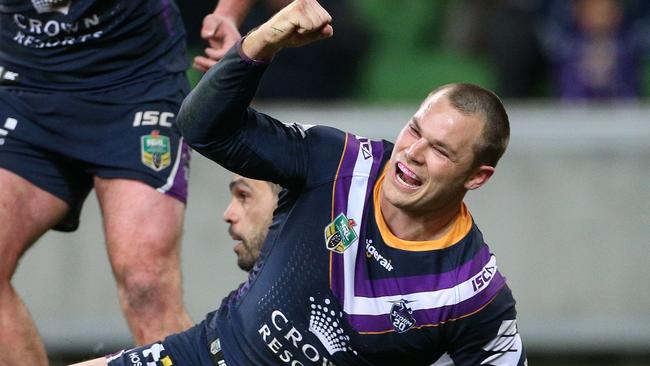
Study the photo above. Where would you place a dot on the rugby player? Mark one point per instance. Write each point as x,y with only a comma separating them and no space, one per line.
372,257
89,92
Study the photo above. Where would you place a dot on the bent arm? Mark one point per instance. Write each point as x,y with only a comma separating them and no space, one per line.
216,120
217,107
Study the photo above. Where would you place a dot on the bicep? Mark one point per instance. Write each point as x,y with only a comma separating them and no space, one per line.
262,148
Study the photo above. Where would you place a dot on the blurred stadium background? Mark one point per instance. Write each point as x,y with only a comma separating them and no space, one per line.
568,213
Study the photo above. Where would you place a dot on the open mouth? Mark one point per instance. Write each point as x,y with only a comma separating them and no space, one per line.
405,176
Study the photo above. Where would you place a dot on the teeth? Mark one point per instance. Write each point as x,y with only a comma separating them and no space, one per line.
399,178
407,177
406,171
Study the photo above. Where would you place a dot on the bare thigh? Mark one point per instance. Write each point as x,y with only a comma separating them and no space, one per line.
26,213
143,229
134,214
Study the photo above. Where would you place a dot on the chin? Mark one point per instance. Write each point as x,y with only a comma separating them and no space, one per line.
397,198
244,265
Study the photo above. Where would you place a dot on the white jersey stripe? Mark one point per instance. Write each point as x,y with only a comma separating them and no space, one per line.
356,204
420,300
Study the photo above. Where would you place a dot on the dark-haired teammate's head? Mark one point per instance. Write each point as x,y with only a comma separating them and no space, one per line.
249,216
451,144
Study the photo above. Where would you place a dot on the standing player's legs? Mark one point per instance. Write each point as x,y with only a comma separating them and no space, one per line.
143,229
26,213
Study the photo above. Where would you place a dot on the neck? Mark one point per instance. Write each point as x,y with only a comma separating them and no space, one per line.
419,226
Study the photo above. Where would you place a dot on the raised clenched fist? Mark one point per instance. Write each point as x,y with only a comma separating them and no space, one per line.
299,23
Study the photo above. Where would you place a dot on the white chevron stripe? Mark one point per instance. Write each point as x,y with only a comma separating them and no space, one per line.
356,204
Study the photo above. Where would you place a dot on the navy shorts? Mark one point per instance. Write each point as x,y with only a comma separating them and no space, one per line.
197,346
59,140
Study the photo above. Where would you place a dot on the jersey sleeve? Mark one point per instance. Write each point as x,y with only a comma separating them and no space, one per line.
216,121
489,337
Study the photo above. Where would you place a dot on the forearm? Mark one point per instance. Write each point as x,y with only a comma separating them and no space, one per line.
216,107
218,103
216,121
259,46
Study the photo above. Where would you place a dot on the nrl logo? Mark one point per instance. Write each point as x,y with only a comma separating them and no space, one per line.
401,316
155,151
215,347
49,6
339,234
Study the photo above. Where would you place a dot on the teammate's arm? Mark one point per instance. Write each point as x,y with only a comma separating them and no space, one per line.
220,29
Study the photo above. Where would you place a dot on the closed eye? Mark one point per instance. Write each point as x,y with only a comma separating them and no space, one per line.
413,130
440,151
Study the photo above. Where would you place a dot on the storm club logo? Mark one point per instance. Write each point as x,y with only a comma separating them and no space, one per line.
49,6
401,316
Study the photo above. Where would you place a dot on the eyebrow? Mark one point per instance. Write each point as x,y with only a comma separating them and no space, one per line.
451,152
238,182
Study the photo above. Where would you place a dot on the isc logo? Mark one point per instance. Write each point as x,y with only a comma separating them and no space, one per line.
483,278
152,118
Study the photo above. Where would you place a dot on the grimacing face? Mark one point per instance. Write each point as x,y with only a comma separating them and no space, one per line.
431,166
249,216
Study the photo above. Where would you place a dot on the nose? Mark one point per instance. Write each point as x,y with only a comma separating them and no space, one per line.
415,152
229,215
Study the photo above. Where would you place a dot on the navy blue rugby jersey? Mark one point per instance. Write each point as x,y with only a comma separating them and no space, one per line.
75,45
333,285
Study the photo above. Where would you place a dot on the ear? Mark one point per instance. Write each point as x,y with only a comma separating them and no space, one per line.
479,177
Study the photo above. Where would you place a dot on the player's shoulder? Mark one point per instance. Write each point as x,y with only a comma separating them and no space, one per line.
341,142
335,154
324,142
319,132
